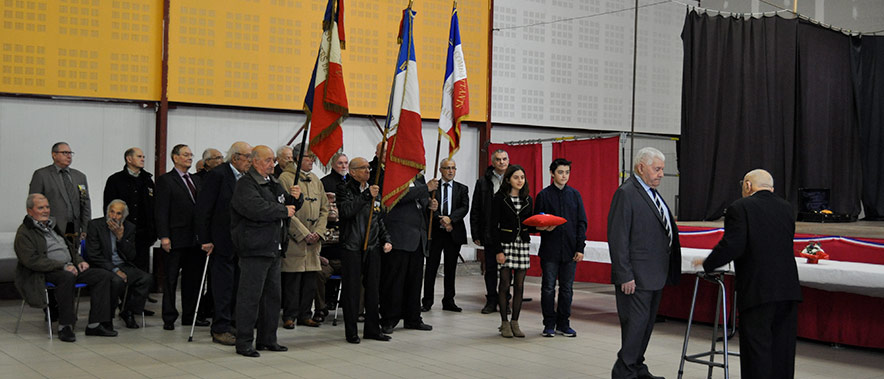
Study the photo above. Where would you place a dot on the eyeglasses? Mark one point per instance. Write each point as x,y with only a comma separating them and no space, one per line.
186,155
68,153
449,168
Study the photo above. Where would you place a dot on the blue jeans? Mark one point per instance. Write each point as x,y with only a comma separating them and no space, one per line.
557,317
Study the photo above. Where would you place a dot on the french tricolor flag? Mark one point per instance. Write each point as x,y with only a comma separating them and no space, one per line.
326,100
455,91
405,152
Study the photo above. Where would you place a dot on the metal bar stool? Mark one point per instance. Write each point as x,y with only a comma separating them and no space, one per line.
720,309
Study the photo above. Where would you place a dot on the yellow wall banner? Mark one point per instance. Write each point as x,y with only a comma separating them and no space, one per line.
261,53
89,48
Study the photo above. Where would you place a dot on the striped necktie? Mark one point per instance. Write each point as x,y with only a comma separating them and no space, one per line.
660,209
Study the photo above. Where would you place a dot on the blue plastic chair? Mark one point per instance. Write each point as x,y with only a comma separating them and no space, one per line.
49,286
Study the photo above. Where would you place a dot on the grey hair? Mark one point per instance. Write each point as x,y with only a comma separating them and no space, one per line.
233,151
498,151
647,155
118,201
29,203
207,153
129,153
283,148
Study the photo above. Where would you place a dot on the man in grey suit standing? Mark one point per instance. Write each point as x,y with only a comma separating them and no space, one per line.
645,255
66,188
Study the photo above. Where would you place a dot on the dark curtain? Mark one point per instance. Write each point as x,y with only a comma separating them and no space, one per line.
738,108
826,145
867,56
766,93
594,173
530,157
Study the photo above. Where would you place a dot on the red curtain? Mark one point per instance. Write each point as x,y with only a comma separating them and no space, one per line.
595,174
530,157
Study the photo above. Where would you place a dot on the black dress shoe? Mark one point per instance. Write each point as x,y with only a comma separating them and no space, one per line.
149,312
489,308
101,331
169,326
451,307
426,308
387,329
66,334
251,353
353,339
199,322
129,319
274,347
650,376
420,326
152,300
377,337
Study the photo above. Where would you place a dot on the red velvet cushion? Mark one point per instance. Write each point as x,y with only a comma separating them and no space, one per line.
544,220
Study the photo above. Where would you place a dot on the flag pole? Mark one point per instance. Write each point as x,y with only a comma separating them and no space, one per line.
433,193
383,151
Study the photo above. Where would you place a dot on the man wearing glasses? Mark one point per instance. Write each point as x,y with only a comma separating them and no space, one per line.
67,190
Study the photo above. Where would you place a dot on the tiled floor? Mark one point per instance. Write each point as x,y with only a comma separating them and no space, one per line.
462,345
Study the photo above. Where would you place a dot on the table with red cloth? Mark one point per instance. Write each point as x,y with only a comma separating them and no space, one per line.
842,300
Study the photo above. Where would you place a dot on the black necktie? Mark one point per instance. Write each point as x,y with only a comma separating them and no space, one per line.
73,193
190,186
446,200
660,209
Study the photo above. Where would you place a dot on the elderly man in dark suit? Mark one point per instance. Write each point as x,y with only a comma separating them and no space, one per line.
212,220
449,234
110,244
645,255
135,186
177,192
758,233
66,189
260,211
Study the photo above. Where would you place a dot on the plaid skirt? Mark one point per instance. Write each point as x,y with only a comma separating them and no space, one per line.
518,255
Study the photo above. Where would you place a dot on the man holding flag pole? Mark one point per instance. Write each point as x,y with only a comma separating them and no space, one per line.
404,191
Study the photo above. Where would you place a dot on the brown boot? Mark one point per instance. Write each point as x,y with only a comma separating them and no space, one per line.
514,326
505,329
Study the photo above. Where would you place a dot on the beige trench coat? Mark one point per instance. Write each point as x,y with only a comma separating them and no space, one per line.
311,218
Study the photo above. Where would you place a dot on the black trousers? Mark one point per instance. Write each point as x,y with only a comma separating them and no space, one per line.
189,262
637,313
767,340
360,270
298,290
225,276
142,251
401,277
100,291
442,242
257,301
490,278
138,282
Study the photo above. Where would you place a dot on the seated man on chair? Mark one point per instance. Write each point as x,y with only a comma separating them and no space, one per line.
45,256
110,246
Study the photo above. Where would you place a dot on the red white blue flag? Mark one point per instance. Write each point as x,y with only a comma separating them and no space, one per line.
455,91
405,152
326,100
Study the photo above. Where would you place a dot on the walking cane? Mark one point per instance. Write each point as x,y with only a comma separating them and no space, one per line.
198,298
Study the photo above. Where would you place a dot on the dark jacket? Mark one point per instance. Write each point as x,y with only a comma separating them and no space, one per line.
569,238
505,224
99,252
138,193
353,210
637,241
483,194
330,183
407,220
212,213
758,233
174,209
460,205
50,183
30,248
258,216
